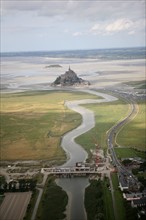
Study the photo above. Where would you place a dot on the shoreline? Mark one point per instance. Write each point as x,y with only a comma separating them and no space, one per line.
100,73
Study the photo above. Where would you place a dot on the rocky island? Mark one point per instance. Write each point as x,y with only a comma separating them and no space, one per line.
53,66
69,78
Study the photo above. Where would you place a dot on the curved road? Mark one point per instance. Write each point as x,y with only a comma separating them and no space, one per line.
111,136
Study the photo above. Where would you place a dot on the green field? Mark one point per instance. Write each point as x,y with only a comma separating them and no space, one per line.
106,115
108,203
137,84
119,201
32,124
124,210
134,133
129,152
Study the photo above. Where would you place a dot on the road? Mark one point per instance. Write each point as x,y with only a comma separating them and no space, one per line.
111,135
40,189
37,204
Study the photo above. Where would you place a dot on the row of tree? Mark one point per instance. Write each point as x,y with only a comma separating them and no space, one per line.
21,185
94,203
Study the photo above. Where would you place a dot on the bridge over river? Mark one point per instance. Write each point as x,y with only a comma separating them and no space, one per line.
72,170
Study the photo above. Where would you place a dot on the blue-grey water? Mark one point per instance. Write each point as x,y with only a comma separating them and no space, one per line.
75,187
102,54
29,70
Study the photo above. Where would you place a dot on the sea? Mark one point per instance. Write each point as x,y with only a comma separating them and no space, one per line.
36,70
110,54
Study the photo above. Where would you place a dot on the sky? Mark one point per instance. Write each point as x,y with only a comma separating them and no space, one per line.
50,25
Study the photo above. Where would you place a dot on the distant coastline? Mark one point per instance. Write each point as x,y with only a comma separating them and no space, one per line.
107,53
23,71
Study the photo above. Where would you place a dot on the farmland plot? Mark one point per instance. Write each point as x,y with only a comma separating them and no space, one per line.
14,206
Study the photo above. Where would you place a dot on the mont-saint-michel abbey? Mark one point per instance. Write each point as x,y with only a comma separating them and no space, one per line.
72,125
69,78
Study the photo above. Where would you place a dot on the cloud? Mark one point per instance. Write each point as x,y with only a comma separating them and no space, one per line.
68,19
101,17
90,10
76,34
109,28
119,25
66,31
131,32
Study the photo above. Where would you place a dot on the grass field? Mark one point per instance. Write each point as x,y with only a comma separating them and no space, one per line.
137,84
108,204
124,210
119,201
106,115
129,152
32,124
134,133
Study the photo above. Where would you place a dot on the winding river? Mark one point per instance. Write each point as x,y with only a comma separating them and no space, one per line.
75,187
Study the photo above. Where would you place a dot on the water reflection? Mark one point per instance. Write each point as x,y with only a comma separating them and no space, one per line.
75,188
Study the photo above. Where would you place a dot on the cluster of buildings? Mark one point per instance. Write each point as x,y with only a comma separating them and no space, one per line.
131,187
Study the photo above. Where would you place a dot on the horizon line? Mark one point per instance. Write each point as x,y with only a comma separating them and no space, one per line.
86,49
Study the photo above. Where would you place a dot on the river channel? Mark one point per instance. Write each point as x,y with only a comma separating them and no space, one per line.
75,187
